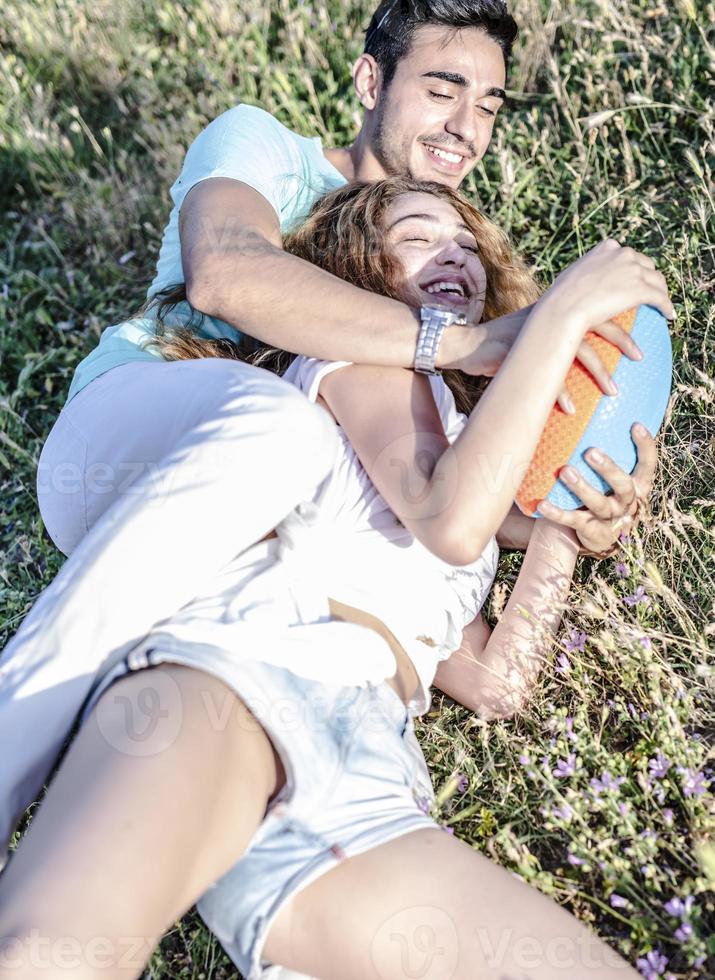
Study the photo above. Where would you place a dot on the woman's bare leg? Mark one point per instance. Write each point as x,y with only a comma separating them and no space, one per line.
139,820
427,906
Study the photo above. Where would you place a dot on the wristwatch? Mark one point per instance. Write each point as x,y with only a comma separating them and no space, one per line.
433,326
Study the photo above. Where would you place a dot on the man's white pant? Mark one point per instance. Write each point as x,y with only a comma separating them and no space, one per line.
153,477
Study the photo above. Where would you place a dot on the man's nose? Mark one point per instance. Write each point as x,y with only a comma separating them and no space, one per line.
462,123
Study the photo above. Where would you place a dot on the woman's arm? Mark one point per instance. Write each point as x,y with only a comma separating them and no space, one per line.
495,674
454,498
515,532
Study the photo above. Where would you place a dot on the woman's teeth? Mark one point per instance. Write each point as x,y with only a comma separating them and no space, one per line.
446,287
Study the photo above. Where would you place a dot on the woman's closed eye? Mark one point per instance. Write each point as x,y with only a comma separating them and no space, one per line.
469,248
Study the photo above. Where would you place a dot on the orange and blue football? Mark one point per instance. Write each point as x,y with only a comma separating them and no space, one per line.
603,421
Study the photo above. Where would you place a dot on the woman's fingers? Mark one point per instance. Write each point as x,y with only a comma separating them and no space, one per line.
618,505
644,473
567,518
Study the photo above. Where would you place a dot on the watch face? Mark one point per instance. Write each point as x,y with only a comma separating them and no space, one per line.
447,316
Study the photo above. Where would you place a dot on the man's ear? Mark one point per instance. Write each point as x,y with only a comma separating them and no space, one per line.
367,80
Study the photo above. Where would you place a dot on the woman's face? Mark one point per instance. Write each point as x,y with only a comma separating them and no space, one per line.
438,254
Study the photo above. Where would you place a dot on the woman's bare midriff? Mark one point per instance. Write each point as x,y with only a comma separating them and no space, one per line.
404,682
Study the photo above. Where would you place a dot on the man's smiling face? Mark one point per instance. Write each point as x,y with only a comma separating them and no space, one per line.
444,97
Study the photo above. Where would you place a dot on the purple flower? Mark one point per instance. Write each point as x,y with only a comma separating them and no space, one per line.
639,597
621,569
577,643
683,932
679,908
569,730
659,766
576,861
652,965
645,642
668,817
618,902
462,783
605,783
565,767
563,664
564,813
694,783
624,538
623,809
448,830
524,759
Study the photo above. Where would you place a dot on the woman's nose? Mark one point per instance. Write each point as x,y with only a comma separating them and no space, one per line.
452,254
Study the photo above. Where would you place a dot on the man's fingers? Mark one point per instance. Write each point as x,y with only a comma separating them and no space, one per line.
564,402
619,337
595,366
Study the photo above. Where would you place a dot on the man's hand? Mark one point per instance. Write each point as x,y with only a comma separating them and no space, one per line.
604,518
481,350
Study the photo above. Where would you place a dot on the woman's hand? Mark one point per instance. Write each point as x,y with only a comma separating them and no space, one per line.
624,275
603,283
604,518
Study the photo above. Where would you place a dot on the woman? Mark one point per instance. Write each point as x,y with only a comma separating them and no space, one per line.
316,814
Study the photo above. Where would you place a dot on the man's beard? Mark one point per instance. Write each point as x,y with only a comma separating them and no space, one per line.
385,151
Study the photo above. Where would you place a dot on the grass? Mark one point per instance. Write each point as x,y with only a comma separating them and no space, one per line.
609,133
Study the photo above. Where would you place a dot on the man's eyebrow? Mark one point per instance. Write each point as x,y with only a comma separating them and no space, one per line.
456,79
432,219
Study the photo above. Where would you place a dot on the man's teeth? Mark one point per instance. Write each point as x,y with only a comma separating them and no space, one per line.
446,287
451,157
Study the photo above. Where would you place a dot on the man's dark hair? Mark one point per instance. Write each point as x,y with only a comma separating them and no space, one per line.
389,36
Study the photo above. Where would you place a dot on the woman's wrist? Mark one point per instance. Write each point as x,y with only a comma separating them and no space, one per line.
550,534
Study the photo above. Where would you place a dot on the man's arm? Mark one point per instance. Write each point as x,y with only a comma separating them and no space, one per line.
236,269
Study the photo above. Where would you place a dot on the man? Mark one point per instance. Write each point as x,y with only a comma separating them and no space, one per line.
431,81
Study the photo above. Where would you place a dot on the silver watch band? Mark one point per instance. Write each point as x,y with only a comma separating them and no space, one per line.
434,322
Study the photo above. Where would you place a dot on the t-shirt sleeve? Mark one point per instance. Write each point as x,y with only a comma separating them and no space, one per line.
244,143
306,373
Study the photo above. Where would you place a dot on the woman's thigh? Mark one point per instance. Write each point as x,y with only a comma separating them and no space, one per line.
152,803
427,905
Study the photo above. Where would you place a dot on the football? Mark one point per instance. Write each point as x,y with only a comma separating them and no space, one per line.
603,421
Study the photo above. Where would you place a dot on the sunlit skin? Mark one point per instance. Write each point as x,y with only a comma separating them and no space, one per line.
433,244
419,109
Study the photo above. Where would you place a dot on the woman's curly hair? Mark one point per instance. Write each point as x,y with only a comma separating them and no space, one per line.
344,233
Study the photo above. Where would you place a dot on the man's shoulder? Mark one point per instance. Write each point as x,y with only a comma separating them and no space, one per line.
247,118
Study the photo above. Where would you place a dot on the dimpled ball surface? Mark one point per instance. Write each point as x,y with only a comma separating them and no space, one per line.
603,421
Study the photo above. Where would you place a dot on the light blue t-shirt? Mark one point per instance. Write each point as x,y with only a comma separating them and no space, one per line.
247,144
